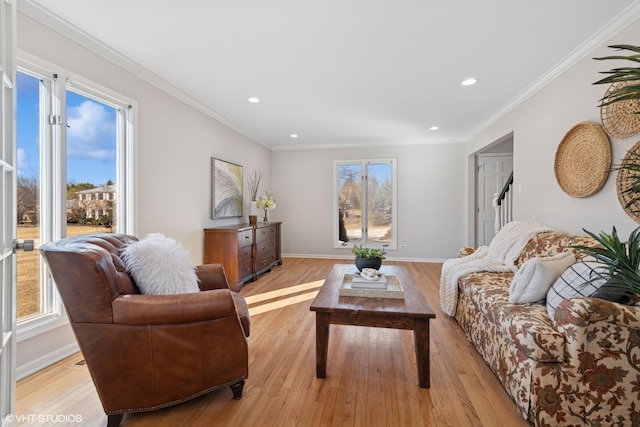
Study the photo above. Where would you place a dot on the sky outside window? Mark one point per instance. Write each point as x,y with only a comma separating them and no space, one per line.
91,135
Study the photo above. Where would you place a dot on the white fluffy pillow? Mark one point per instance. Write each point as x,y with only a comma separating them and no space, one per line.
534,278
580,279
160,266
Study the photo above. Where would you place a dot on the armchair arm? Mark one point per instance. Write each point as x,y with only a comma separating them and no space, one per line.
593,325
602,352
211,276
578,313
135,309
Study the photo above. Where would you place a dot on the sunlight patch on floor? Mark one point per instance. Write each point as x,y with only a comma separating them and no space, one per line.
280,302
283,292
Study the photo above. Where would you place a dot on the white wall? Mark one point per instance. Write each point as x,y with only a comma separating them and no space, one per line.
539,124
431,199
175,143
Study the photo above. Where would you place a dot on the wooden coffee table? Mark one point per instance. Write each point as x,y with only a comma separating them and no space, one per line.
412,313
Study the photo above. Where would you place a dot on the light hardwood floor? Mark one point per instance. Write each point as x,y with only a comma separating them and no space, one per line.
371,373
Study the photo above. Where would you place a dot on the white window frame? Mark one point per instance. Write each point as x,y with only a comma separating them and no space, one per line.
393,244
53,174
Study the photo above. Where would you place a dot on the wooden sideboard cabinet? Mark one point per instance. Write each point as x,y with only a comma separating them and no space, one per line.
245,250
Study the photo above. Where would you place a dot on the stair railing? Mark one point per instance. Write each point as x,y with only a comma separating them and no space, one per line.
503,205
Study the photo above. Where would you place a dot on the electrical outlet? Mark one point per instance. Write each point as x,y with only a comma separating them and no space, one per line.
403,246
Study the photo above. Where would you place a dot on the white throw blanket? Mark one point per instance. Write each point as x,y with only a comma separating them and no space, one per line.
499,256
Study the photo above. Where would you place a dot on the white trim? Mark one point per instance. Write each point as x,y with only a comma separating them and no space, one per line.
494,154
35,11
8,202
41,324
53,179
42,362
127,172
63,27
364,171
617,24
387,143
350,258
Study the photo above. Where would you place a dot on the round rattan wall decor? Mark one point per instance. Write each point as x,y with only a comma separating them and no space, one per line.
625,179
583,160
620,119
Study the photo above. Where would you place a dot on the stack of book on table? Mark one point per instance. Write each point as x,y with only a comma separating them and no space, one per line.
355,285
380,282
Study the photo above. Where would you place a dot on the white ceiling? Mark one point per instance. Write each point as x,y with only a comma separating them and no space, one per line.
344,72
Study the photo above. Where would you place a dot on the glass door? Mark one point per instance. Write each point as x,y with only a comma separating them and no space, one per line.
7,212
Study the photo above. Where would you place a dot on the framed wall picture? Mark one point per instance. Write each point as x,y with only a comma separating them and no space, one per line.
226,188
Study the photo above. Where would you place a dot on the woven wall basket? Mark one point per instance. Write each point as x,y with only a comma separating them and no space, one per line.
583,160
619,119
624,180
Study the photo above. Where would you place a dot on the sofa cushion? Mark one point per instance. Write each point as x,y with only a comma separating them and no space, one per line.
580,279
485,289
527,326
551,243
534,278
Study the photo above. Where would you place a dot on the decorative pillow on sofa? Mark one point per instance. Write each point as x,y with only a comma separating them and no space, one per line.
581,279
160,266
535,276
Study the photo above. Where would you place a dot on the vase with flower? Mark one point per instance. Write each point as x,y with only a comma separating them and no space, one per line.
266,202
252,183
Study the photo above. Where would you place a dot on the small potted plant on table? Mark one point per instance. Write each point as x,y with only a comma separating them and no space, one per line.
368,257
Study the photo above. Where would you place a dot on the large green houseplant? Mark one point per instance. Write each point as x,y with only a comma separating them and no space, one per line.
627,81
630,75
622,264
368,257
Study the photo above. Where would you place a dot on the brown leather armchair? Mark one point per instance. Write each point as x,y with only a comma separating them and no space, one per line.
146,352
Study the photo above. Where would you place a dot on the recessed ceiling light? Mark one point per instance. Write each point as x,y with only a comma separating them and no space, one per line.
434,128
253,100
294,135
469,82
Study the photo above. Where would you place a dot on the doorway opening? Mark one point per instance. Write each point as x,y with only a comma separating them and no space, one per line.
493,166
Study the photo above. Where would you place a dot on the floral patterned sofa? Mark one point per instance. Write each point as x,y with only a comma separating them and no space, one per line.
580,368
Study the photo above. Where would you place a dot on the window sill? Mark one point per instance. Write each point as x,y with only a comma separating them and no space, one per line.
39,325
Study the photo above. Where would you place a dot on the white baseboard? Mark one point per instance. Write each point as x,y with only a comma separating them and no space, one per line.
48,359
350,257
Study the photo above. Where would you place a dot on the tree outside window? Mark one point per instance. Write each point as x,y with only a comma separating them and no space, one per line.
365,199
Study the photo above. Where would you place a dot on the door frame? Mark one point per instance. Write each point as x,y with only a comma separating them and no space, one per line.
472,177
478,196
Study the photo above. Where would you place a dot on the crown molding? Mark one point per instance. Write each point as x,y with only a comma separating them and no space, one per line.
57,24
66,29
613,27
386,143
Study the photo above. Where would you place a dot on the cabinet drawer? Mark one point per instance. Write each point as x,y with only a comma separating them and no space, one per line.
264,248
245,238
265,233
244,270
265,261
244,255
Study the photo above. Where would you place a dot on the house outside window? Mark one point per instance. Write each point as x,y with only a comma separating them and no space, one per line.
98,202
